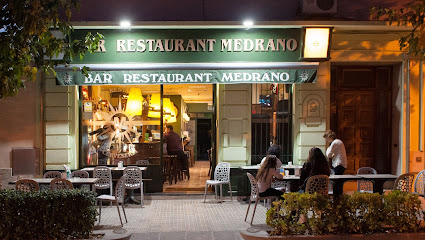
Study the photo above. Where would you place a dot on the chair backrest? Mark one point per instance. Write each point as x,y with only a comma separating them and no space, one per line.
365,185
419,184
254,187
222,172
52,174
80,174
134,177
60,184
27,185
104,176
404,182
120,188
318,183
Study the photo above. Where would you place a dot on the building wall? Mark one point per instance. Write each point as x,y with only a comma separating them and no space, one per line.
20,122
311,114
234,124
61,123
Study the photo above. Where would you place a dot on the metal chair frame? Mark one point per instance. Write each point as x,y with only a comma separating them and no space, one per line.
52,174
60,184
134,180
404,182
365,185
105,178
27,185
319,184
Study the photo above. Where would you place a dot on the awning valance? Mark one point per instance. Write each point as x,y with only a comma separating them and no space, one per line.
189,73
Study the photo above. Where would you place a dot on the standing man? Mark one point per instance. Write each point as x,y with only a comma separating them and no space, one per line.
104,140
336,152
174,146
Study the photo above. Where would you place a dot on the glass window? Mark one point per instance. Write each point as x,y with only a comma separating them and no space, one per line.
271,116
120,123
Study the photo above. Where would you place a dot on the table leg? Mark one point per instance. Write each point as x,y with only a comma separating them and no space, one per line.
378,186
338,188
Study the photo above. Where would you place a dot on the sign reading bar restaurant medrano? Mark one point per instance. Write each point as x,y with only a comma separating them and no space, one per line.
201,46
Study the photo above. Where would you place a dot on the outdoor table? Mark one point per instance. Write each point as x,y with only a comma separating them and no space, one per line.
378,180
74,181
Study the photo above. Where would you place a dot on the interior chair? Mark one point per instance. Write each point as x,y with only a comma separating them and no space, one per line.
117,198
365,185
170,168
209,151
81,174
404,182
221,176
27,185
142,162
60,184
52,174
134,180
319,184
104,176
255,196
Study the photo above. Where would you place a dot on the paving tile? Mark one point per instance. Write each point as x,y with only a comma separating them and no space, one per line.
145,236
172,236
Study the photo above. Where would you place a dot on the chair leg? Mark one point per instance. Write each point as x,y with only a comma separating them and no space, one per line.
99,202
230,190
119,214
125,216
141,193
221,192
253,214
205,195
247,211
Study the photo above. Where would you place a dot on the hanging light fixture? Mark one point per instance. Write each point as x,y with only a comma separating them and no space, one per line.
155,101
134,102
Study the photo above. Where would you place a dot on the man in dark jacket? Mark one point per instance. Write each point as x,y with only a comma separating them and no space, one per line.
174,146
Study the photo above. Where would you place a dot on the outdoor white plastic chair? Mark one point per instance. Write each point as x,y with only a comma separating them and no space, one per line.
221,176
255,196
134,180
419,186
60,184
404,182
52,174
27,185
81,174
117,198
105,178
319,184
365,185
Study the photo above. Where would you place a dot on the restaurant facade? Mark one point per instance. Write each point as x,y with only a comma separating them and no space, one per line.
262,89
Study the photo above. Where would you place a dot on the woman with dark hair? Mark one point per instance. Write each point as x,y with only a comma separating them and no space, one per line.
265,175
316,164
274,150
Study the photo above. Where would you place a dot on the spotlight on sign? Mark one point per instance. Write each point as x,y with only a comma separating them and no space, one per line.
316,44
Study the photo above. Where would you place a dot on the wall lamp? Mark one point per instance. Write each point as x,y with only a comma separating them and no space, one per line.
316,44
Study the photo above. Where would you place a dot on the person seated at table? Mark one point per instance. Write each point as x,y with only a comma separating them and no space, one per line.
336,152
265,175
273,150
316,164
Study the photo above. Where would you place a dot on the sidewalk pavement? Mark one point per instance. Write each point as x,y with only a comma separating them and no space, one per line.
186,217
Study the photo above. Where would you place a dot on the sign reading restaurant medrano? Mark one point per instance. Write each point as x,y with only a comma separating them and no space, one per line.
192,46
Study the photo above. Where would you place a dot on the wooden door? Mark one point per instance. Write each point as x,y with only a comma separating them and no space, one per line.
356,121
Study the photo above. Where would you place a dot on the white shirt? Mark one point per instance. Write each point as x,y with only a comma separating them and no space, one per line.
336,151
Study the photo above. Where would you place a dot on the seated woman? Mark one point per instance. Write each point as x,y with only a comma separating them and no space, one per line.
316,164
265,175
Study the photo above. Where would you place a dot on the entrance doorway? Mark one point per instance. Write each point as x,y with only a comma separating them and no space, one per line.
203,136
196,100
361,115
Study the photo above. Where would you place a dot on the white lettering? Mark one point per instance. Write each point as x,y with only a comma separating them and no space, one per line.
150,42
270,45
98,79
169,45
226,43
127,78
145,78
179,45
275,76
179,77
208,75
259,45
191,45
121,46
101,46
227,77
159,45
284,76
291,44
141,45
281,42
200,44
88,79
107,78
130,46
210,44
250,43
237,45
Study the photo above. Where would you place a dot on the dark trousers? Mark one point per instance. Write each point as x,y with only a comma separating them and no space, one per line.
339,170
272,192
181,158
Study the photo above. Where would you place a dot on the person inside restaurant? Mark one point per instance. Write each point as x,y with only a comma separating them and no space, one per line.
336,152
316,164
174,146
